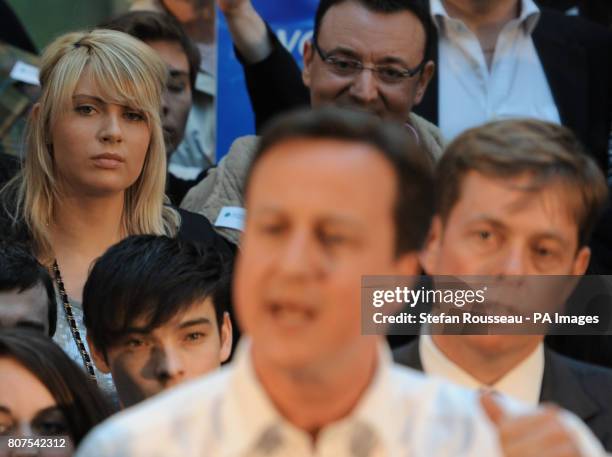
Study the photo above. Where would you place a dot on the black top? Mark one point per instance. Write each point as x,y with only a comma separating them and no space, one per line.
177,188
9,166
194,228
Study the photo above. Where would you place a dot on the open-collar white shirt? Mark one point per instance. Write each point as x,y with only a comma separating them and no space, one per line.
523,382
471,94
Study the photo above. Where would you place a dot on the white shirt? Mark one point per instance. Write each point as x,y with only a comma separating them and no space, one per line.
228,414
470,94
523,382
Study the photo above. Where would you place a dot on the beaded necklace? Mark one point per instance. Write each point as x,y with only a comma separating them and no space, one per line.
76,335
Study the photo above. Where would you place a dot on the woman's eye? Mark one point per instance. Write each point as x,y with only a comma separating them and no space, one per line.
84,109
134,116
52,428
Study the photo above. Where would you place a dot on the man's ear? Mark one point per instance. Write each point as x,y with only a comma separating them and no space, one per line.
581,262
308,56
227,338
98,357
428,256
424,79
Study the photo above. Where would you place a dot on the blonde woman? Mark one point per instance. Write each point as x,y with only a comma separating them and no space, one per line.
95,167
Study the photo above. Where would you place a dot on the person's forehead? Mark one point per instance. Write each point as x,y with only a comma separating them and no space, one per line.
200,311
333,180
32,300
514,201
19,379
172,53
350,24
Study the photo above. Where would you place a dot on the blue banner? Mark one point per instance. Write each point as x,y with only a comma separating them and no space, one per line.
292,21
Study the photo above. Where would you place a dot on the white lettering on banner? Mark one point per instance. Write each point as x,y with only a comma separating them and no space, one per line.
298,38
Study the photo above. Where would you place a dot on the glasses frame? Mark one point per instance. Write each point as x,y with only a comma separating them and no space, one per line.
405,74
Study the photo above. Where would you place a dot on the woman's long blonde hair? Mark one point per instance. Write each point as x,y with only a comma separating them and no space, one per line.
127,72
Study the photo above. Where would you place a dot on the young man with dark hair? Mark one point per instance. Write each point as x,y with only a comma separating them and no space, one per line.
306,382
27,296
155,309
515,198
165,35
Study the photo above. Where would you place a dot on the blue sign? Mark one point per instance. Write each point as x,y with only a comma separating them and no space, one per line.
292,21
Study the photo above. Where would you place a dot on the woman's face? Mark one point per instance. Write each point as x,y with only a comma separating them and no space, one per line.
27,410
98,148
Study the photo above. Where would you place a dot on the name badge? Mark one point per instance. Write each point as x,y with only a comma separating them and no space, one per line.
25,72
231,217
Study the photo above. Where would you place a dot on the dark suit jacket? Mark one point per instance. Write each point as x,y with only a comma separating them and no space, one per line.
583,389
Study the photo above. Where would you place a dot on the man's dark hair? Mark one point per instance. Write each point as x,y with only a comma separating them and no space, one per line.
154,26
152,278
79,398
412,165
416,7
21,271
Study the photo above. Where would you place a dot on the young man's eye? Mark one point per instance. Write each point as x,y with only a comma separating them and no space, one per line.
195,336
134,343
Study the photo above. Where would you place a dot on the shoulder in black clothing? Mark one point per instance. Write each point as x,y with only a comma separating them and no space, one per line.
9,166
582,388
197,229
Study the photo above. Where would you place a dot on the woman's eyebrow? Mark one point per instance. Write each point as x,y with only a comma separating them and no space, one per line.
88,97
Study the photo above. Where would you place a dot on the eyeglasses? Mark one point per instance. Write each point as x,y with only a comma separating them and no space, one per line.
347,67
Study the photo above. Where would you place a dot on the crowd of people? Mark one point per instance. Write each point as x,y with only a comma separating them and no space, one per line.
146,315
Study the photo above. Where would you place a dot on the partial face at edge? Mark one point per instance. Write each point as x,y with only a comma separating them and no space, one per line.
27,408
29,308
177,96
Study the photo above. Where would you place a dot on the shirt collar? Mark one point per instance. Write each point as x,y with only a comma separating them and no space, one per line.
530,14
523,382
250,418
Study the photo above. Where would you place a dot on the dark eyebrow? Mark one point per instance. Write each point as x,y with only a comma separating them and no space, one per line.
175,72
194,322
6,410
385,60
345,51
393,60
